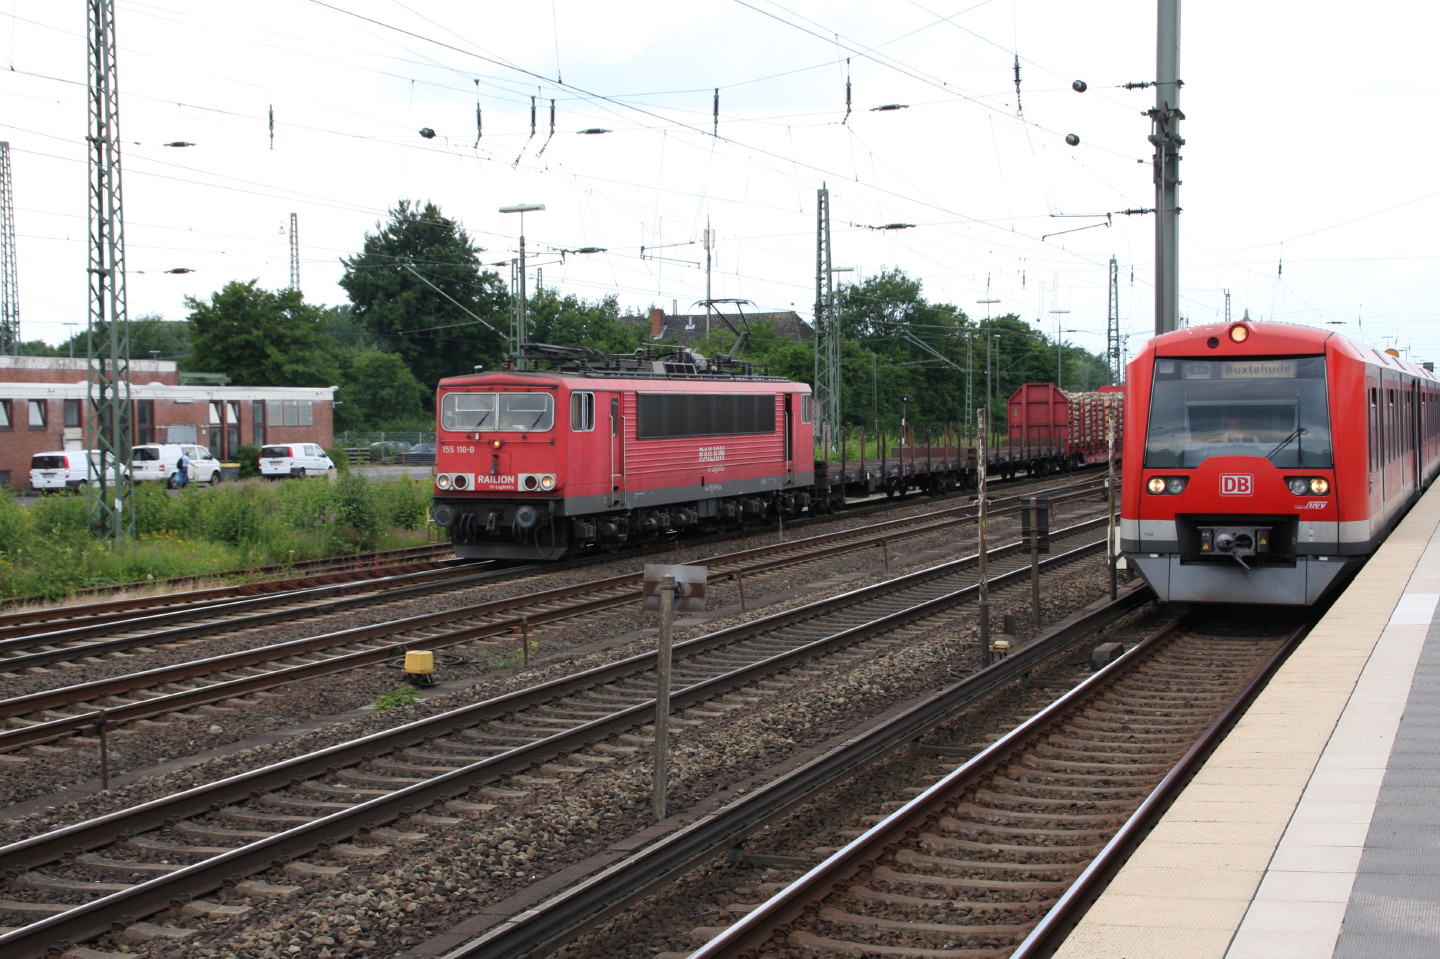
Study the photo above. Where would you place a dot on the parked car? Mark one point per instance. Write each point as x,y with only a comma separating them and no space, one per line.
72,469
388,451
160,462
421,453
283,460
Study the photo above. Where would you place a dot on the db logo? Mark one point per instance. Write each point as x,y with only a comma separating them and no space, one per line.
1236,484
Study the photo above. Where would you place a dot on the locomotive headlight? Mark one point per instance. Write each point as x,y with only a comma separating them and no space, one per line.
1319,486
1166,485
1156,485
496,443
442,481
547,482
1175,485
1239,333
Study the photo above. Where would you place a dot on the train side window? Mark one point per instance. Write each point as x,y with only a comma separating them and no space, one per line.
1374,429
582,412
806,408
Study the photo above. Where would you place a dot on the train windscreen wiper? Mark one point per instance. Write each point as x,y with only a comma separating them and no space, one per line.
1296,432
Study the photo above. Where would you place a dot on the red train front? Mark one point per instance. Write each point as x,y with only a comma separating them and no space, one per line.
610,451
1266,460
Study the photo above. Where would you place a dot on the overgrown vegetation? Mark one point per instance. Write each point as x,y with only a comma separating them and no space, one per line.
47,548
401,696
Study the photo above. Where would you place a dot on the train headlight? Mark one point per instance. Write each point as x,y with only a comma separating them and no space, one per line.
1308,485
530,482
1166,485
547,482
1239,333
442,481
496,443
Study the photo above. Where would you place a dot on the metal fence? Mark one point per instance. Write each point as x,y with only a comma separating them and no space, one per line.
386,446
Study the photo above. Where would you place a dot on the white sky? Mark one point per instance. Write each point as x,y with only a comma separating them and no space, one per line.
1311,142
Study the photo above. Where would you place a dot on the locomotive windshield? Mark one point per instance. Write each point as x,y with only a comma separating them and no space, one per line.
1273,407
504,412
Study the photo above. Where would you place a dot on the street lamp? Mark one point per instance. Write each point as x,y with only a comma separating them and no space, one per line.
518,333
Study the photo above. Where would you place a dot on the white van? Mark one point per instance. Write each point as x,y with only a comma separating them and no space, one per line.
159,462
280,460
70,470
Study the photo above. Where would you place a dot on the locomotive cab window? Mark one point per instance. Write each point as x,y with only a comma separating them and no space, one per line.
1275,408
509,412
582,412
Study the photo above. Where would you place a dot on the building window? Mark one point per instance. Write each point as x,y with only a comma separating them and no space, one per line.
257,422
144,421
72,414
4,414
214,412
38,408
307,414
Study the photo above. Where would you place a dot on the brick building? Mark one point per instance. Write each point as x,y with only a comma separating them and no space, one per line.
43,407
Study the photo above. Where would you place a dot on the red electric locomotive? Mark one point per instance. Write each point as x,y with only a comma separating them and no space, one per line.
605,451
1265,460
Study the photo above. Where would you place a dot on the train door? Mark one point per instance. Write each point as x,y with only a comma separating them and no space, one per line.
617,451
1414,408
790,456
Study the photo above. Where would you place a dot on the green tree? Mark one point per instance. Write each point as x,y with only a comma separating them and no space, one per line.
568,321
379,392
261,338
419,290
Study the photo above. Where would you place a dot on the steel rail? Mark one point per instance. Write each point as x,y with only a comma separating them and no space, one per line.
145,898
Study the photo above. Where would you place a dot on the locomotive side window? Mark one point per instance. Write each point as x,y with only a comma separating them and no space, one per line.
806,406
675,415
512,412
582,412
1276,408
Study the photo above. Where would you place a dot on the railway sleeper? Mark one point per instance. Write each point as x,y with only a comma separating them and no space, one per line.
970,907
907,927
1064,792
104,864
87,887
893,876
982,811
1064,871
1074,839
1044,854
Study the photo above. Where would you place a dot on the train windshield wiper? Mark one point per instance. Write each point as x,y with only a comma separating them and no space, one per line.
1297,431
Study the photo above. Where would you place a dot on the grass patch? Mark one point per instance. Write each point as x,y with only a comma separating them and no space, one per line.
47,549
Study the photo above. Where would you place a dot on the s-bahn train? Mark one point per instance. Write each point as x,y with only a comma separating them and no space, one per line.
1266,461
613,450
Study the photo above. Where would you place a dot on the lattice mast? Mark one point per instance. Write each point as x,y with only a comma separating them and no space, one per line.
827,334
108,425
1113,352
294,252
9,286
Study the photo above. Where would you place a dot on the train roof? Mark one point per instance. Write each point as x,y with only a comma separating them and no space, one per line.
647,363
1280,338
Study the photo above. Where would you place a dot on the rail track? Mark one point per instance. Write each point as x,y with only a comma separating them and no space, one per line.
45,716
215,835
975,865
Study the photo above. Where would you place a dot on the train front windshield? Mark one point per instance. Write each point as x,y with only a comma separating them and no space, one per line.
1275,408
506,412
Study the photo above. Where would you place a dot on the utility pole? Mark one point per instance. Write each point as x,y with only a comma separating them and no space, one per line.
110,509
827,334
294,252
1165,135
1112,326
9,285
970,363
1059,368
709,245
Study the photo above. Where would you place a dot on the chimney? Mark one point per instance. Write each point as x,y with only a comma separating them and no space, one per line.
657,322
